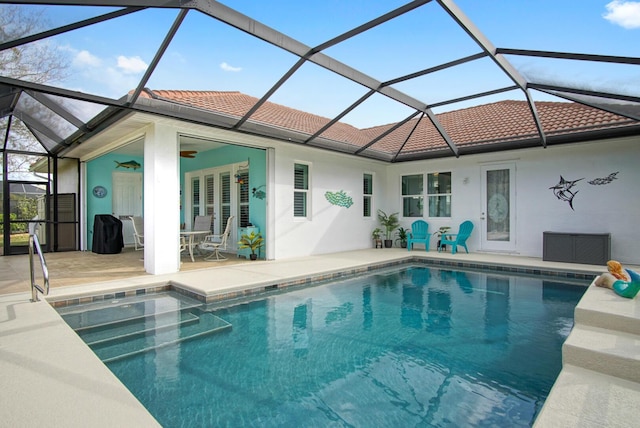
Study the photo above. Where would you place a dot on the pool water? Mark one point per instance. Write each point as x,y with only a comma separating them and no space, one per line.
403,347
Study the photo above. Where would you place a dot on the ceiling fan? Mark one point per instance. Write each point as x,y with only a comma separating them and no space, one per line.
188,153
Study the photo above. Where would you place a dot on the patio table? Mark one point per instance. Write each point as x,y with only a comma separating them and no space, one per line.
190,236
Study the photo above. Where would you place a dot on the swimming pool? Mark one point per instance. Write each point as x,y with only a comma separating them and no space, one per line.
410,346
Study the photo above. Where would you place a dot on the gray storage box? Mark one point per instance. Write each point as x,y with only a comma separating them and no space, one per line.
587,248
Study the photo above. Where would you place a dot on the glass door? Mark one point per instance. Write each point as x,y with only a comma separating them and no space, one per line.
498,199
209,192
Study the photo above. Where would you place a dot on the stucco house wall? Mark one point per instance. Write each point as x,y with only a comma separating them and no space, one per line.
328,228
605,208
609,208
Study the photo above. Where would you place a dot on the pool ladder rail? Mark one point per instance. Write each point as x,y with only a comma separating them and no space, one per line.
34,247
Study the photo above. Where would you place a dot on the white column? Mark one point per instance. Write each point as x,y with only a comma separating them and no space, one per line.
161,200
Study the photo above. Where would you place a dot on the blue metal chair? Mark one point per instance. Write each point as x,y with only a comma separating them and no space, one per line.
455,239
419,235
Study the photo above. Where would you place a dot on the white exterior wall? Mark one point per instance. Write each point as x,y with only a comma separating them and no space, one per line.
329,228
611,208
67,176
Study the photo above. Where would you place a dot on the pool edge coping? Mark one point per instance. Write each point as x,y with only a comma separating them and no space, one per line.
256,288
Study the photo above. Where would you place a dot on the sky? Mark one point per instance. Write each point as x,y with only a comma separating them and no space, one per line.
110,58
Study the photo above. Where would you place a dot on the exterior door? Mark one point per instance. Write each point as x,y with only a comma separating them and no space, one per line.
498,201
210,192
127,200
23,196
221,192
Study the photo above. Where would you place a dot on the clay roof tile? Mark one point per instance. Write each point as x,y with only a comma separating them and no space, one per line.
501,121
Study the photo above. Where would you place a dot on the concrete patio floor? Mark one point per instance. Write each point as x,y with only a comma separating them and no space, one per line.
51,378
82,267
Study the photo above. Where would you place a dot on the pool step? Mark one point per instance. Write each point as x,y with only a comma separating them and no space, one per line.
119,328
611,352
107,313
144,338
611,312
104,333
606,335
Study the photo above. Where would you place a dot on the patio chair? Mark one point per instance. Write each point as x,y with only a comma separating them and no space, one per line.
455,239
202,222
138,232
419,235
217,243
183,244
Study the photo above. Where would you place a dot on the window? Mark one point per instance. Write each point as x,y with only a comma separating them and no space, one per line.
301,186
439,194
368,194
412,197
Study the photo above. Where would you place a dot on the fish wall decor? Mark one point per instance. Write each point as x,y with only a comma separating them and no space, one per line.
564,189
129,164
604,180
339,198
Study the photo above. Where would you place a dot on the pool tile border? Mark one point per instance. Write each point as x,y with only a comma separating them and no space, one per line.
328,276
109,296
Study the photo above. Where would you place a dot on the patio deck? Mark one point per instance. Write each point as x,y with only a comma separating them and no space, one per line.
51,377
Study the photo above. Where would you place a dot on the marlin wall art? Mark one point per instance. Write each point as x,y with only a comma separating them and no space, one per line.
563,190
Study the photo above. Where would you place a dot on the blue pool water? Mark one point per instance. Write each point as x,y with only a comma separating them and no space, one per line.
405,347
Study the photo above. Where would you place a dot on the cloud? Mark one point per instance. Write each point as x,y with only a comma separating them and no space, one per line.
102,76
131,65
85,58
623,13
227,67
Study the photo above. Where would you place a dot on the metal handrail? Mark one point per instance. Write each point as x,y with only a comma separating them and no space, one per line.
34,245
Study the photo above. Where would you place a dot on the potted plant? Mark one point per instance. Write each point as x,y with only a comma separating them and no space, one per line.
440,232
390,223
402,236
253,241
376,234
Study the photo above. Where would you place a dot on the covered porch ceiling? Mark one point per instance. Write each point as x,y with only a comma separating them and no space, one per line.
388,70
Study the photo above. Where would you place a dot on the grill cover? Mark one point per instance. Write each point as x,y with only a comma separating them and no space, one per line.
107,235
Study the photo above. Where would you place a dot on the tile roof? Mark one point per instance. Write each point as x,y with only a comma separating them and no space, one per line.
498,122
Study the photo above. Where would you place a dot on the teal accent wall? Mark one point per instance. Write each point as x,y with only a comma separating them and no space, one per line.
228,155
99,174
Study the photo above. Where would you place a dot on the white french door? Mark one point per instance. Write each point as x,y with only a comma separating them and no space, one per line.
127,200
498,202
210,192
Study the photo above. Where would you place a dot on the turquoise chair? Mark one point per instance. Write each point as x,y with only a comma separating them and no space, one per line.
455,239
419,235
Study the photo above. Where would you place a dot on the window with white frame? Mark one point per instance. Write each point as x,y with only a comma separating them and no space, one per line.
301,189
412,196
439,194
367,192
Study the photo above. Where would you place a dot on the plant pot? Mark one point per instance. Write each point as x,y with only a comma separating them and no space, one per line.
403,244
388,243
253,256
378,243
